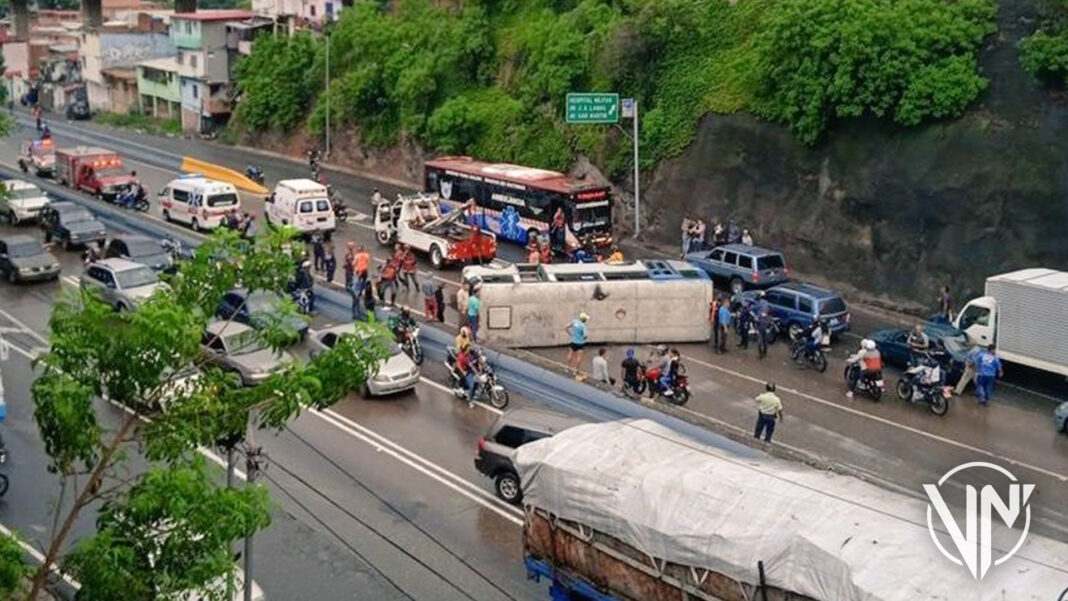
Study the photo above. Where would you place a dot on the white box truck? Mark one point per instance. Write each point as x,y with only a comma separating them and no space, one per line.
1025,313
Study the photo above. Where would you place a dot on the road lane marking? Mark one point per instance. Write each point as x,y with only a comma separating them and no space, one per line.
25,328
385,446
40,557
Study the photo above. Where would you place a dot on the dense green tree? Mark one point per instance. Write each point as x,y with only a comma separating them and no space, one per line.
169,529
1044,54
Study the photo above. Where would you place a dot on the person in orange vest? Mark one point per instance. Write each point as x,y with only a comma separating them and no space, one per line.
361,262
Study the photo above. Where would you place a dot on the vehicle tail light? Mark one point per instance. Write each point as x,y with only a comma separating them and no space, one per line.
756,276
481,445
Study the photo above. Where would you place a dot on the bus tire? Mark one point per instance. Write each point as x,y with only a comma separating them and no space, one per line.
436,258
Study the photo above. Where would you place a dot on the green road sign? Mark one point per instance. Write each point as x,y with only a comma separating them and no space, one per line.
592,107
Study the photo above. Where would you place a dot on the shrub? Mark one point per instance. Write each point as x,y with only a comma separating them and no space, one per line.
1044,55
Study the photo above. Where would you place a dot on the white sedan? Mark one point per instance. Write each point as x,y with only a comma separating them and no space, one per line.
397,373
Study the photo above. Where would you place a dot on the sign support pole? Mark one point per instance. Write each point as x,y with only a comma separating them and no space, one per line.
637,173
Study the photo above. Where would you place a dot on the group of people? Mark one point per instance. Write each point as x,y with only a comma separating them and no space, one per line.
981,365
696,237
369,288
745,315
240,222
467,362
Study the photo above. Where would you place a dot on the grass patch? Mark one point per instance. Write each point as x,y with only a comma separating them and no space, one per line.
140,123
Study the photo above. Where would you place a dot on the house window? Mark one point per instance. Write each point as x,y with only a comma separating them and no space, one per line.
181,58
193,61
195,90
312,9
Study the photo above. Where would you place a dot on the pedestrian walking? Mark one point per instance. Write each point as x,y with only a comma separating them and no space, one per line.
725,319
945,305
969,370
745,319
763,323
387,281
408,270
687,224
461,303
430,301
769,410
987,370
359,313
318,251
747,238
330,263
578,331
361,263
600,368
473,307
348,266
439,301
713,316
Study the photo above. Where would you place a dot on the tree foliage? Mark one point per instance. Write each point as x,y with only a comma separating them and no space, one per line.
169,529
1044,53
273,82
488,77
13,570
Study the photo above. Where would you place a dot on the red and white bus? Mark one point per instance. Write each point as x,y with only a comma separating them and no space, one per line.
515,202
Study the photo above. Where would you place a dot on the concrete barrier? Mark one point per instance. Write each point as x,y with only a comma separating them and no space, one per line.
224,174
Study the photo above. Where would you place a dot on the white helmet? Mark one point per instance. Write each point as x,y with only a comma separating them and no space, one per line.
869,345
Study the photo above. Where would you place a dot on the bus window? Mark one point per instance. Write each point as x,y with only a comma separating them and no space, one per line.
578,277
626,275
690,274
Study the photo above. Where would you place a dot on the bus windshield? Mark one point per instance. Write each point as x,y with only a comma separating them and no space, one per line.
594,214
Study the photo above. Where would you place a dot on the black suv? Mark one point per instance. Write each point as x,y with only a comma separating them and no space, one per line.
511,431
23,259
71,224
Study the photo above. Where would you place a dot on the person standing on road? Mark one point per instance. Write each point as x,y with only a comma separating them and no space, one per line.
430,300
769,410
388,281
763,324
747,238
600,368
347,265
318,251
408,269
368,299
330,263
361,263
461,301
969,370
578,331
745,319
945,305
473,307
987,370
687,226
439,298
713,316
724,325
630,368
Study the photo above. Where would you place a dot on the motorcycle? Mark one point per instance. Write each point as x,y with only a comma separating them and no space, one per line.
809,357
487,389
3,479
303,299
410,344
130,200
254,173
922,384
774,330
649,379
341,212
871,388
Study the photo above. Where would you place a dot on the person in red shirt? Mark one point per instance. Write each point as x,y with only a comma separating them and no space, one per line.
388,281
465,366
408,269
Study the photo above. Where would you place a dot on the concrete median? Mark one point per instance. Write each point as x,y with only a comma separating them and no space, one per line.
224,174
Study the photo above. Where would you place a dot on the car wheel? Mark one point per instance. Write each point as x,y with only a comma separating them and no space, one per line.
365,391
12,276
23,167
383,237
507,487
3,484
121,306
736,285
67,245
436,258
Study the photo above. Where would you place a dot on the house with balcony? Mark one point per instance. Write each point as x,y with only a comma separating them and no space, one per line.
159,87
206,60
109,59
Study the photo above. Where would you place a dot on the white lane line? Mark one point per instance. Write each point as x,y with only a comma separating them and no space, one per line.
450,391
385,446
40,557
887,422
25,328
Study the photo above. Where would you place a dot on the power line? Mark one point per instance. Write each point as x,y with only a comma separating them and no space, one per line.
361,522
397,511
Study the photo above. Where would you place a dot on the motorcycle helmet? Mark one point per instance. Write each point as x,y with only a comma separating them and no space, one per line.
869,345
630,353
661,348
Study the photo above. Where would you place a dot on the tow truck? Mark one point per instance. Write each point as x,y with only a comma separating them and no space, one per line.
95,170
38,156
416,222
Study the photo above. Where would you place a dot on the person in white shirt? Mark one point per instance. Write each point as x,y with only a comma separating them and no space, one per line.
600,369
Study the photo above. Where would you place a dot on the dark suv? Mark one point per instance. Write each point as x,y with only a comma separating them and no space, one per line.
795,305
71,224
511,431
741,266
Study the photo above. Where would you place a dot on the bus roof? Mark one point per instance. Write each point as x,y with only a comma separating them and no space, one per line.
532,177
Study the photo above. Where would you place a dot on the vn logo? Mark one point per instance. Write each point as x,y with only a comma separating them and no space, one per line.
973,541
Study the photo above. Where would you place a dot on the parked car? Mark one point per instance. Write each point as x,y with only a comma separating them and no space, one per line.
948,344
795,305
236,348
140,249
71,224
24,259
23,202
741,266
258,310
496,450
1060,417
397,373
78,110
123,284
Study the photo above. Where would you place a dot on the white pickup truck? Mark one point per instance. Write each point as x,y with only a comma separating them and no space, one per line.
1025,313
416,221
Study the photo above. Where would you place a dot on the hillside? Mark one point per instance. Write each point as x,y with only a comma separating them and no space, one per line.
897,134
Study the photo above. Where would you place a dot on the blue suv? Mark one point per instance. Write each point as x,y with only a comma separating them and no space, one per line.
795,304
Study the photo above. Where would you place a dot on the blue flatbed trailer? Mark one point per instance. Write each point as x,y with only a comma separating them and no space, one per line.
562,585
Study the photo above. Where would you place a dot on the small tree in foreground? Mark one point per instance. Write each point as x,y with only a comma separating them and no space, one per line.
168,530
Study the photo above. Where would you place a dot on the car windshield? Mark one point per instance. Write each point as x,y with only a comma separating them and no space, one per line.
143,248
830,306
30,248
76,216
222,200
770,262
244,343
22,193
262,301
136,277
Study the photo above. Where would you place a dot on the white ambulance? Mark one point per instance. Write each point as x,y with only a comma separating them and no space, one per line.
303,204
200,202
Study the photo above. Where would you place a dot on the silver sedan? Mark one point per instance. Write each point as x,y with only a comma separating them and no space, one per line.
236,348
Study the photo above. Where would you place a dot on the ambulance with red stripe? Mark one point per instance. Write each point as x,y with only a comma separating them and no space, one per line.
516,202
201,203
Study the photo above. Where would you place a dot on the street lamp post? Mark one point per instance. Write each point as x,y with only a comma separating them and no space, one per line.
326,155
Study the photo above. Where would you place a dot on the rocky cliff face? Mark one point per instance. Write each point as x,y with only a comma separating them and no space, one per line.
893,211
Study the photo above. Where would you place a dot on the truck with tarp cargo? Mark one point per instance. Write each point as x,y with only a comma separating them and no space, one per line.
632,510
97,171
1025,314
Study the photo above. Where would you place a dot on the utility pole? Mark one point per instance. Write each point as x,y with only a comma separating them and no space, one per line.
254,464
326,155
637,174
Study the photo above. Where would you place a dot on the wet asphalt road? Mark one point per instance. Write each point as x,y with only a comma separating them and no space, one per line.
892,442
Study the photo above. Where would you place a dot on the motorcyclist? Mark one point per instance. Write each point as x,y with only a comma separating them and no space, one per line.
919,343
304,284
401,324
466,366
376,198
871,365
813,337
671,370
132,194
463,339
